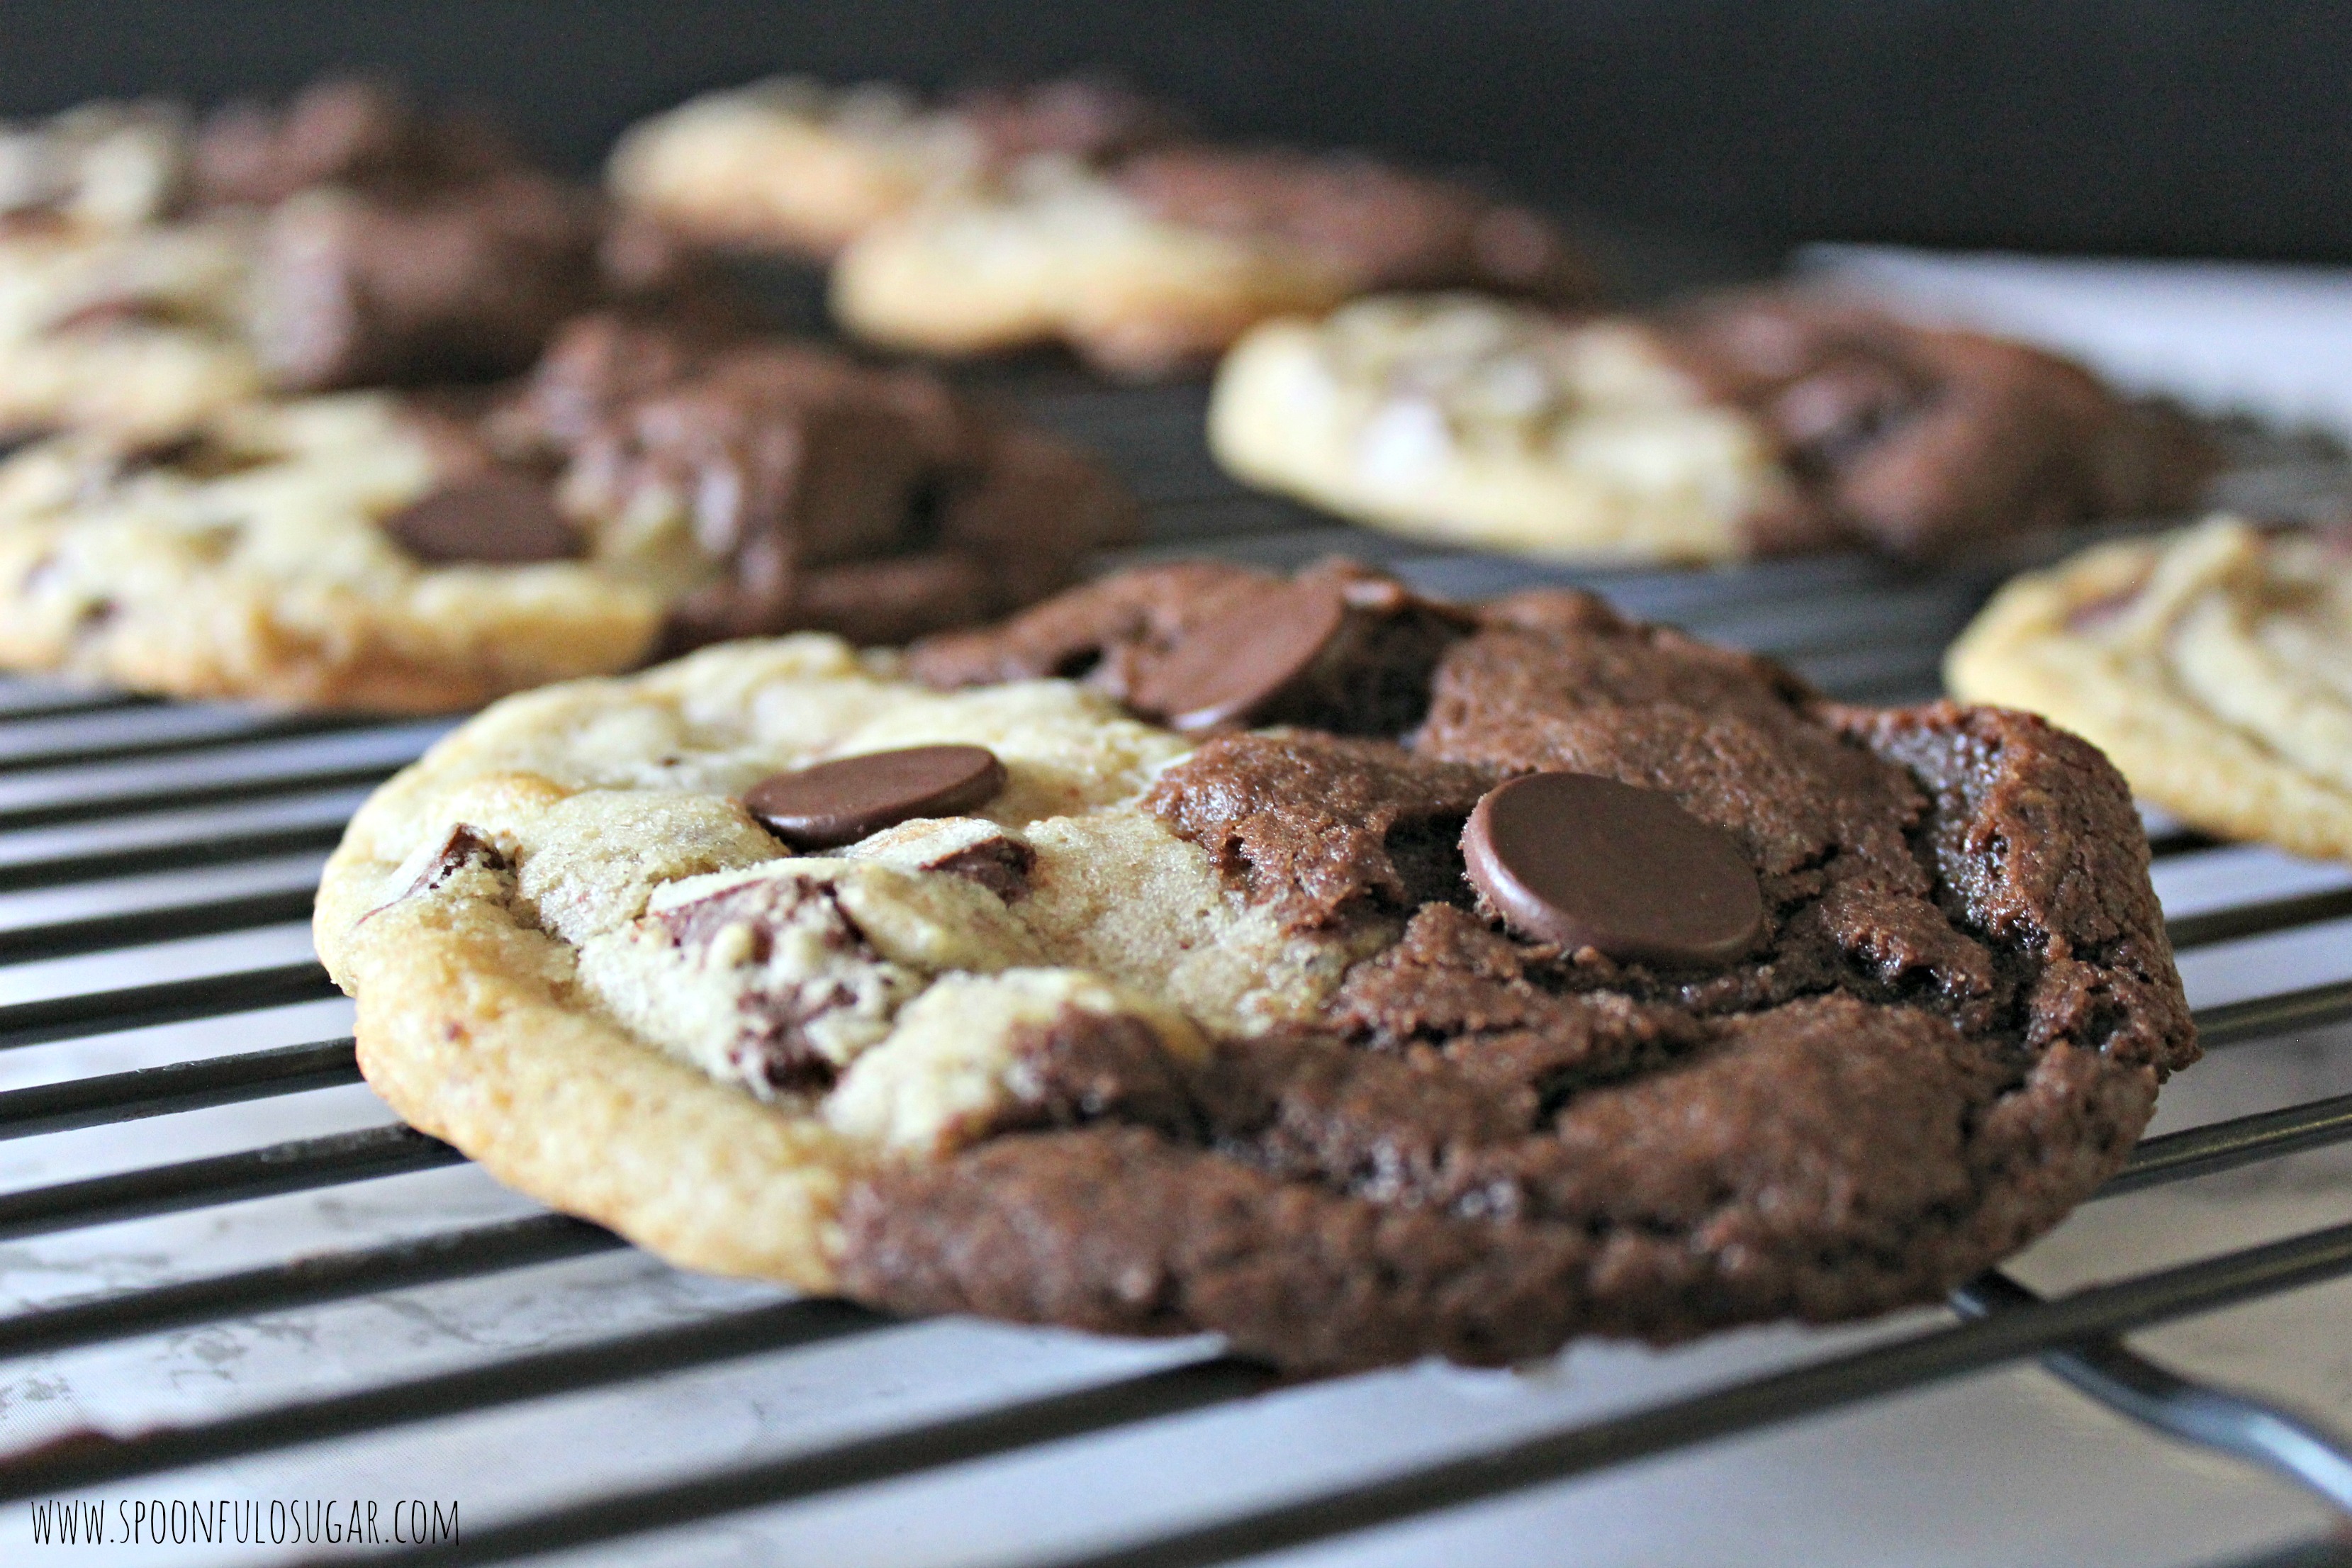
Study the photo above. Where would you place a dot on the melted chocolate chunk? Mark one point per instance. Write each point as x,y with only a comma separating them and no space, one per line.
836,498
1588,862
500,518
1000,865
465,848
841,802
772,1046
1948,1027
1241,665
1336,648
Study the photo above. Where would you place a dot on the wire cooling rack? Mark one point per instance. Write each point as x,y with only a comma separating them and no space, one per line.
228,1274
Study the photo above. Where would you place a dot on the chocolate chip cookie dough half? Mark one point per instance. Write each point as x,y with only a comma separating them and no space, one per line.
1746,427
642,493
2214,666
1356,976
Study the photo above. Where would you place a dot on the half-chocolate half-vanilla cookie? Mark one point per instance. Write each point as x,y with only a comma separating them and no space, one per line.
1355,976
153,272
1759,422
647,489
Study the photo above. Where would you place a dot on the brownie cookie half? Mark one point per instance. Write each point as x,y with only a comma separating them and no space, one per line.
1195,952
642,492
1756,424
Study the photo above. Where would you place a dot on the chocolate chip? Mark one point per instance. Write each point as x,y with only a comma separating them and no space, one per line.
501,518
1585,861
841,802
1001,865
465,845
1235,667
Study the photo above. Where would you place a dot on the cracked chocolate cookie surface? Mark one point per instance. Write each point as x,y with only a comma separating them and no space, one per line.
1164,1031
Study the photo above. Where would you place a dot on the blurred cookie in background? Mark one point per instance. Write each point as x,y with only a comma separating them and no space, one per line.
116,305
1152,265
644,492
796,166
2213,666
1740,425
153,272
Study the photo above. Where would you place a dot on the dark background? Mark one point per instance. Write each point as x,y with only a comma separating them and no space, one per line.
1735,126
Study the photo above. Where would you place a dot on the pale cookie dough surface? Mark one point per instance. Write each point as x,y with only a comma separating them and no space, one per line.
623,995
2214,666
135,329
101,166
1057,252
790,162
1473,421
251,563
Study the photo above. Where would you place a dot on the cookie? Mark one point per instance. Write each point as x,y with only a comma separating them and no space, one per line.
151,276
2210,664
1759,424
1159,260
99,167
642,493
1192,952
791,164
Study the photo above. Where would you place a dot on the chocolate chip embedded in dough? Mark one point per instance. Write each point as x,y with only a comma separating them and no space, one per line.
1231,669
1585,861
1000,864
501,518
841,802
465,845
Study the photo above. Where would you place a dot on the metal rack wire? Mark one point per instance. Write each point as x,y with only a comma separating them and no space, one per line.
156,862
